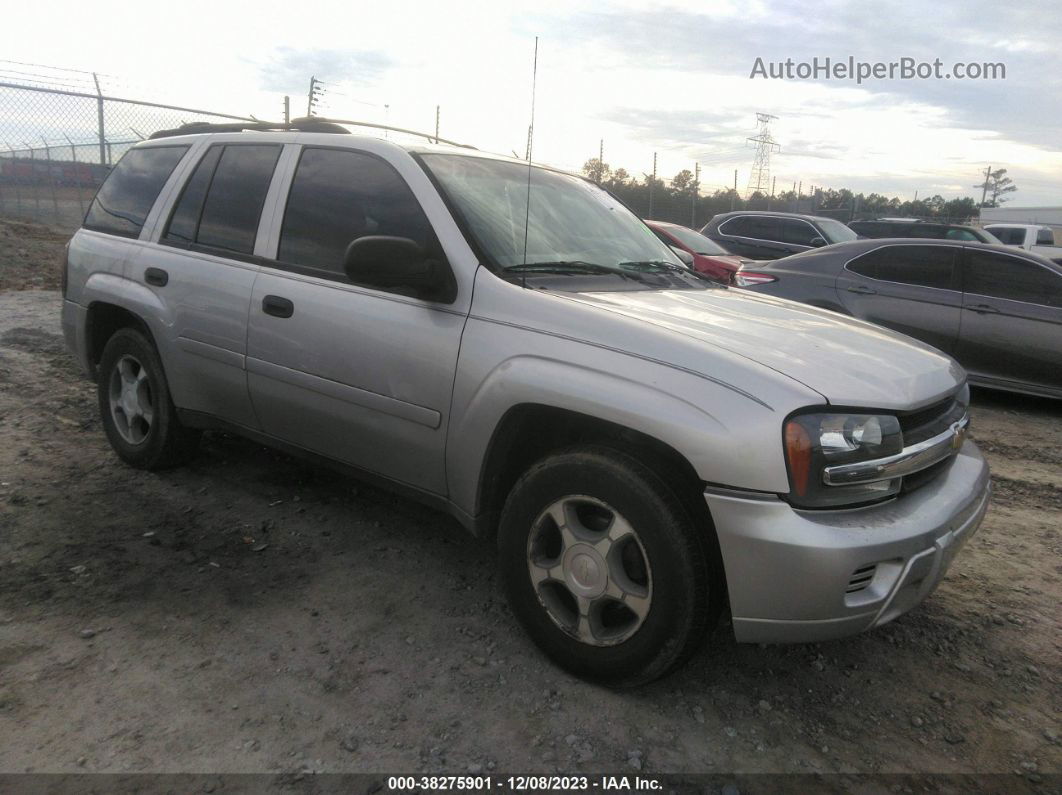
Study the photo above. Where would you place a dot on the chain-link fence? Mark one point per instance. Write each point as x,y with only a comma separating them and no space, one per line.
57,146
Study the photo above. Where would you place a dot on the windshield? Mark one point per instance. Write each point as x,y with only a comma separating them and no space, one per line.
835,231
571,220
696,241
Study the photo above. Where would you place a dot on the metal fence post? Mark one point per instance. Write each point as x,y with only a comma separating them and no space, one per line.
99,117
33,179
51,179
77,175
14,178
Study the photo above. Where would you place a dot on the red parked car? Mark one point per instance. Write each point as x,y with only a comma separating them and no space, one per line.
709,257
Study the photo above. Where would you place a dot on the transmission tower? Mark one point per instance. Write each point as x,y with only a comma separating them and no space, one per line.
760,176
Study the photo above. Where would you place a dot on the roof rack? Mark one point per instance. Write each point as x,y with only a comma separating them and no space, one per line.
315,124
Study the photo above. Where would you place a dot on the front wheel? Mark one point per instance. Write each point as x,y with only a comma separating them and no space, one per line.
605,568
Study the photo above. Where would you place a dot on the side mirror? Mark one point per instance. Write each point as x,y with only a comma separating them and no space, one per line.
400,265
818,242
682,254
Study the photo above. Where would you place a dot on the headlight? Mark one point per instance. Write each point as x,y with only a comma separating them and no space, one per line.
815,441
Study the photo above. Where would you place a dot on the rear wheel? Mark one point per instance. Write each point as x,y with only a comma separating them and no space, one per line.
604,567
138,415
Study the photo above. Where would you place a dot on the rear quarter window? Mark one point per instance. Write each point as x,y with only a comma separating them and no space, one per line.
127,195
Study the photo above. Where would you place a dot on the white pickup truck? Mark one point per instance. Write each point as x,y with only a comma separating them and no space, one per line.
1031,237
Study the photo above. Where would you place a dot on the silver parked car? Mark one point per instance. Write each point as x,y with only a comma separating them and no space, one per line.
998,311
647,448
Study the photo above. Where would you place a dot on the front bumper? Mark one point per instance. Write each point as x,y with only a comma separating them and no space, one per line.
802,576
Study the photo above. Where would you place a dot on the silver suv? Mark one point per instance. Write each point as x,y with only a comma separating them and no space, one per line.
512,345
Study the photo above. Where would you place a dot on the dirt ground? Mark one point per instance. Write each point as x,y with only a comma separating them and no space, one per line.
249,613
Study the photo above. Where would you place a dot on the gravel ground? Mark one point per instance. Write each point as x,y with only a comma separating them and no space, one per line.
248,613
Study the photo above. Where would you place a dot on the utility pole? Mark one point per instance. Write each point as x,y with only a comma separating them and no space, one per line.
436,124
761,163
771,199
600,161
984,192
287,109
314,95
695,194
733,195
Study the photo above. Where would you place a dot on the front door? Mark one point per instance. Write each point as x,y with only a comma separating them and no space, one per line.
1011,320
913,289
354,373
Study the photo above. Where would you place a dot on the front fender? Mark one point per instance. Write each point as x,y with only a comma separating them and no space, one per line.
728,438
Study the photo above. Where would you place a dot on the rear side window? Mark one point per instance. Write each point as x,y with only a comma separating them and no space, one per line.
338,196
124,200
761,227
931,231
999,276
1008,235
961,234
222,202
923,266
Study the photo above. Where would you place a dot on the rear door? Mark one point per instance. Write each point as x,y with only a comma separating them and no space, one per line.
753,236
910,288
1011,320
203,269
351,372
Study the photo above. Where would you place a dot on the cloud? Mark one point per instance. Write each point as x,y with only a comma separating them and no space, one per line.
1024,107
290,69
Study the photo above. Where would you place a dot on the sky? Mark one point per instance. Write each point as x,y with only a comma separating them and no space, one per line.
670,77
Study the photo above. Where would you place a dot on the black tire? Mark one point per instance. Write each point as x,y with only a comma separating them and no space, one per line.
685,602
165,442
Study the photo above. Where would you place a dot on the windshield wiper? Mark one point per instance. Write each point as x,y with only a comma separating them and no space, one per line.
653,263
570,267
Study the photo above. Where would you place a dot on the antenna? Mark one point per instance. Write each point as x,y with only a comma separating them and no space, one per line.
530,138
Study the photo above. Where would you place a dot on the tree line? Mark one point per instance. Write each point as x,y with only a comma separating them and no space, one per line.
678,200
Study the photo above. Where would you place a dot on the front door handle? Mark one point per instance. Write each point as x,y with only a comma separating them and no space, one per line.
156,276
862,289
277,307
983,309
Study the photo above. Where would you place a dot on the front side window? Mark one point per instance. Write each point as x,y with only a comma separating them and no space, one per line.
798,232
338,196
923,266
961,234
568,219
1000,276
222,201
1045,237
124,200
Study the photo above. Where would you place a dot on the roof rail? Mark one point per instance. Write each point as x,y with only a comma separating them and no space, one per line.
299,125
305,124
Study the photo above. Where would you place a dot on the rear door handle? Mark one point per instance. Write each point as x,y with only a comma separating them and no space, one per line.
277,307
156,276
983,309
862,290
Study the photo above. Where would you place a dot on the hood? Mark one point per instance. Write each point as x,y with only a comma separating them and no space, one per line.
849,362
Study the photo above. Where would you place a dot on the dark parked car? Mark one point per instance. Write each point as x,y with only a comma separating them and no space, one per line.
766,235
709,258
912,227
998,312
